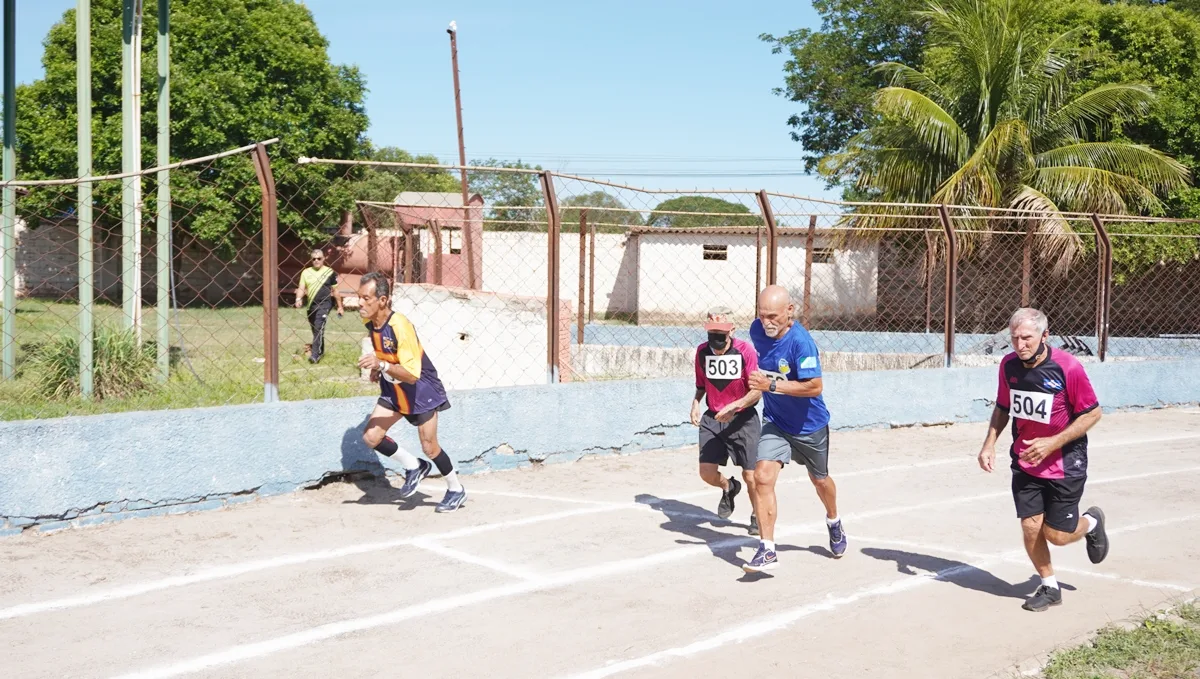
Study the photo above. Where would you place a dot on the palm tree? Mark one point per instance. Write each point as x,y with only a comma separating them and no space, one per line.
998,127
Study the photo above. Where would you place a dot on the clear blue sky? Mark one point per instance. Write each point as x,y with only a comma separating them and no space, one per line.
605,89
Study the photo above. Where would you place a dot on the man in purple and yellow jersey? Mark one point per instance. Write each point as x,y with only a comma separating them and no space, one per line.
729,428
409,388
1053,405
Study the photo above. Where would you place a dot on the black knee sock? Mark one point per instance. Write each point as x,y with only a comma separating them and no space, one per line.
444,464
387,447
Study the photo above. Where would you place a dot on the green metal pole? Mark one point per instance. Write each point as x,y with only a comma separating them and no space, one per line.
83,99
8,354
164,189
129,274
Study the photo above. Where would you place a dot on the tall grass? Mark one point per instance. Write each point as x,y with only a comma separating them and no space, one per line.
121,367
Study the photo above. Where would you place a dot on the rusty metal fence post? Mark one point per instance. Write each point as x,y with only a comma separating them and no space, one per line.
553,369
582,272
1103,285
592,278
951,281
772,237
270,257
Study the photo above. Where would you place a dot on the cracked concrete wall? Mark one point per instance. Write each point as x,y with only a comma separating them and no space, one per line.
85,470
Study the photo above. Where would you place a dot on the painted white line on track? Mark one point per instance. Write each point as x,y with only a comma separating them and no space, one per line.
245,568
508,569
547,582
780,621
1017,556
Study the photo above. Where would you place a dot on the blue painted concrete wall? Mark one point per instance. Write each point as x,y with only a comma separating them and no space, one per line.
85,470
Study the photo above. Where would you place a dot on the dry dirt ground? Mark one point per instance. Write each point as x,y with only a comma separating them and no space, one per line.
611,567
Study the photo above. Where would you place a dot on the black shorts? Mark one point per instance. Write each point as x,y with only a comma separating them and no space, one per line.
417,419
1057,499
737,439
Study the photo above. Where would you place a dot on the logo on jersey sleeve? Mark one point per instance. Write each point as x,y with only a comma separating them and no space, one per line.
808,363
784,367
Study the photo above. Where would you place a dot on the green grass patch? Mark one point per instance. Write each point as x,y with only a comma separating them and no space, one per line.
1161,647
217,358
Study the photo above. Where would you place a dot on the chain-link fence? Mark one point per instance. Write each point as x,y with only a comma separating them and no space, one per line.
531,277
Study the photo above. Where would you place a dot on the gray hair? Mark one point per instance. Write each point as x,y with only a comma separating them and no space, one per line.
317,251
382,287
1029,315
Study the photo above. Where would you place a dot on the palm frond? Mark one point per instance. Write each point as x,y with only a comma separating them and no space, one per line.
1096,107
1150,168
903,75
929,123
1060,244
1089,189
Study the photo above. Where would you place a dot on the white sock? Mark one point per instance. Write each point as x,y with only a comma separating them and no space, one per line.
452,481
1051,582
769,544
830,522
406,459
1091,522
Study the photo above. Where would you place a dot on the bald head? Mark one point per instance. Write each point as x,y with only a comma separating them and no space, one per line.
775,310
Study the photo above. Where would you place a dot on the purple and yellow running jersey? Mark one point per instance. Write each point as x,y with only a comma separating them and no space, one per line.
397,342
1043,401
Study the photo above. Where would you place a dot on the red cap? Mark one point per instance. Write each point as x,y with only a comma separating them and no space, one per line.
718,319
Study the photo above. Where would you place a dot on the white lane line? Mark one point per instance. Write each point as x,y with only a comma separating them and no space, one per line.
780,621
236,570
498,566
1017,556
872,471
259,649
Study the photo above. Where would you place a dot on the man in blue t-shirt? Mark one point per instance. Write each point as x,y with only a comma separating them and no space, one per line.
795,419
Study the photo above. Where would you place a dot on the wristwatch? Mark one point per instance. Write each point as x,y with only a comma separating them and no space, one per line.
383,366
772,388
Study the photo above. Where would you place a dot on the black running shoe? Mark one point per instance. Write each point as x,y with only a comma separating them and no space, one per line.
726,507
753,530
1043,598
1097,538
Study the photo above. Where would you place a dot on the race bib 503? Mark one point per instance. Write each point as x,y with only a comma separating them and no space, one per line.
1031,405
727,367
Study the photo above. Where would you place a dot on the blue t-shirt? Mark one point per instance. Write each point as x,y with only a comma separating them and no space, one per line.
794,356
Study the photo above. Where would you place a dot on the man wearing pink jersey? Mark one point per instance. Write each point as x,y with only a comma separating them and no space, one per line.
1052,403
729,427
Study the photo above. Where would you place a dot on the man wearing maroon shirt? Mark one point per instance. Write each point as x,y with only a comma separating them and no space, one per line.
1053,406
729,427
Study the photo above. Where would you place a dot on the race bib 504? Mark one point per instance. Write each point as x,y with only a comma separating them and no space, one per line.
727,367
1031,405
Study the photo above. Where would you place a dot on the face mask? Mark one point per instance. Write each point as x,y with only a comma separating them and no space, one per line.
1037,355
717,340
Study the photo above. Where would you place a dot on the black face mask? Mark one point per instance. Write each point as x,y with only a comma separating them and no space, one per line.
1037,355
717,341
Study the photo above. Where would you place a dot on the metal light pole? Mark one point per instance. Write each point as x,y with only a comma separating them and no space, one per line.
131,133
8,263
468,236
83,94
163,249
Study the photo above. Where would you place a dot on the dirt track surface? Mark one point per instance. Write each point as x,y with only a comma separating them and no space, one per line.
611,567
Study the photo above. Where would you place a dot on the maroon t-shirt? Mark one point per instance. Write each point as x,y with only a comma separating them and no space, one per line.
725,378
1043,401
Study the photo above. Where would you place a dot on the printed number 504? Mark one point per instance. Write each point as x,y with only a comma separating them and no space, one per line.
1032,405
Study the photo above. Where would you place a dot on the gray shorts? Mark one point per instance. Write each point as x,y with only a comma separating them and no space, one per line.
737,439
812,450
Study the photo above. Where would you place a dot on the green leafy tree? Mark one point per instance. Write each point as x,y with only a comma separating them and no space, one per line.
1000,127
829,72
514,199
241,71
604,210
717,212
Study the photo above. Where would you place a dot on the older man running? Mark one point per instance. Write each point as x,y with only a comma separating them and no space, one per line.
795,419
